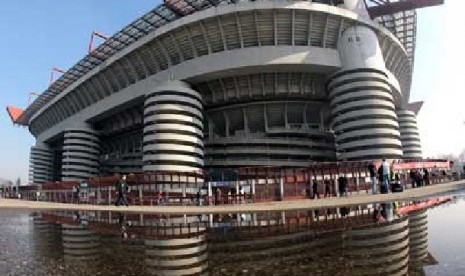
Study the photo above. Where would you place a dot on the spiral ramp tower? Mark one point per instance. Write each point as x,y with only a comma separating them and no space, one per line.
177,249
409,135
46,237
418,235
173,129
381,249
362,100
80,243
81,150
41,164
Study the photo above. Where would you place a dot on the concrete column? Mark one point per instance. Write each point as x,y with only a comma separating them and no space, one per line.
253,187
141,195
109,195
209,192
336,186
99,195
281,187
210,220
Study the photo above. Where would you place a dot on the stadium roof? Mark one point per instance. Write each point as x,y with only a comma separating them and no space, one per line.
403,26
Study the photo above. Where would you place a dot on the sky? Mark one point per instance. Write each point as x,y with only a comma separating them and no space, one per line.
39,35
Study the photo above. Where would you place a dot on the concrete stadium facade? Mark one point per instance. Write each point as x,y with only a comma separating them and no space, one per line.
259,83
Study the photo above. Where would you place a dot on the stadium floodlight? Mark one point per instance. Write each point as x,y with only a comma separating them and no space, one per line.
92,38
52,74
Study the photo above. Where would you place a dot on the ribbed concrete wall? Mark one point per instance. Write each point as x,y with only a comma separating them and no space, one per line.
364,118
418,235
79,243
41,164
380,249
81,152
173,129
409,135
174,254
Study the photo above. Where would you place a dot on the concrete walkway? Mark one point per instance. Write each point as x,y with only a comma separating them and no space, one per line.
360,199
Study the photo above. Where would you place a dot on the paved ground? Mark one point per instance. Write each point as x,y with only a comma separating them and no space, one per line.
359,199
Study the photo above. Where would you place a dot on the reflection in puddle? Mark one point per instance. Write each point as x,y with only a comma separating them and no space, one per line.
382,239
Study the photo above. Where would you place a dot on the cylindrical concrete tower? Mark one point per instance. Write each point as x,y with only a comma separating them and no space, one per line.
418,236
177,250
361,101
380,249
173,129
409,136
81,152
46,237
79,243
41,164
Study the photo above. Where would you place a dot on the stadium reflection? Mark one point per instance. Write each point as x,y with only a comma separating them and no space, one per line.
379,239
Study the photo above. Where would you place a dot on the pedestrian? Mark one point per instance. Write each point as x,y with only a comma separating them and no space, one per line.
426,176
418,179
386,174
372,170
159,197
122,188
422,177
342,185
315,189
412,178
75,194
435,174
327,187
199,197
241,194
218,196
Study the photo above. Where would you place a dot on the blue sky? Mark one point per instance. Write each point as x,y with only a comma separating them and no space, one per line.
39,35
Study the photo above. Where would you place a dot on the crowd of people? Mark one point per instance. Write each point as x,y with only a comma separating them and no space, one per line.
388,181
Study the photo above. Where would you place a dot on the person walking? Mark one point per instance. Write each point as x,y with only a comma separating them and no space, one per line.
435,173
422,177
199,197
241,194
159,197
122,188
374,183
315,189
75,194
386,174
426,176
327,187
342,186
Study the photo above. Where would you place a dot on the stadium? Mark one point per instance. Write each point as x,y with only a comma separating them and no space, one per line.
197,85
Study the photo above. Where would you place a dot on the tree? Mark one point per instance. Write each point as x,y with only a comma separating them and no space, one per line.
18,182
